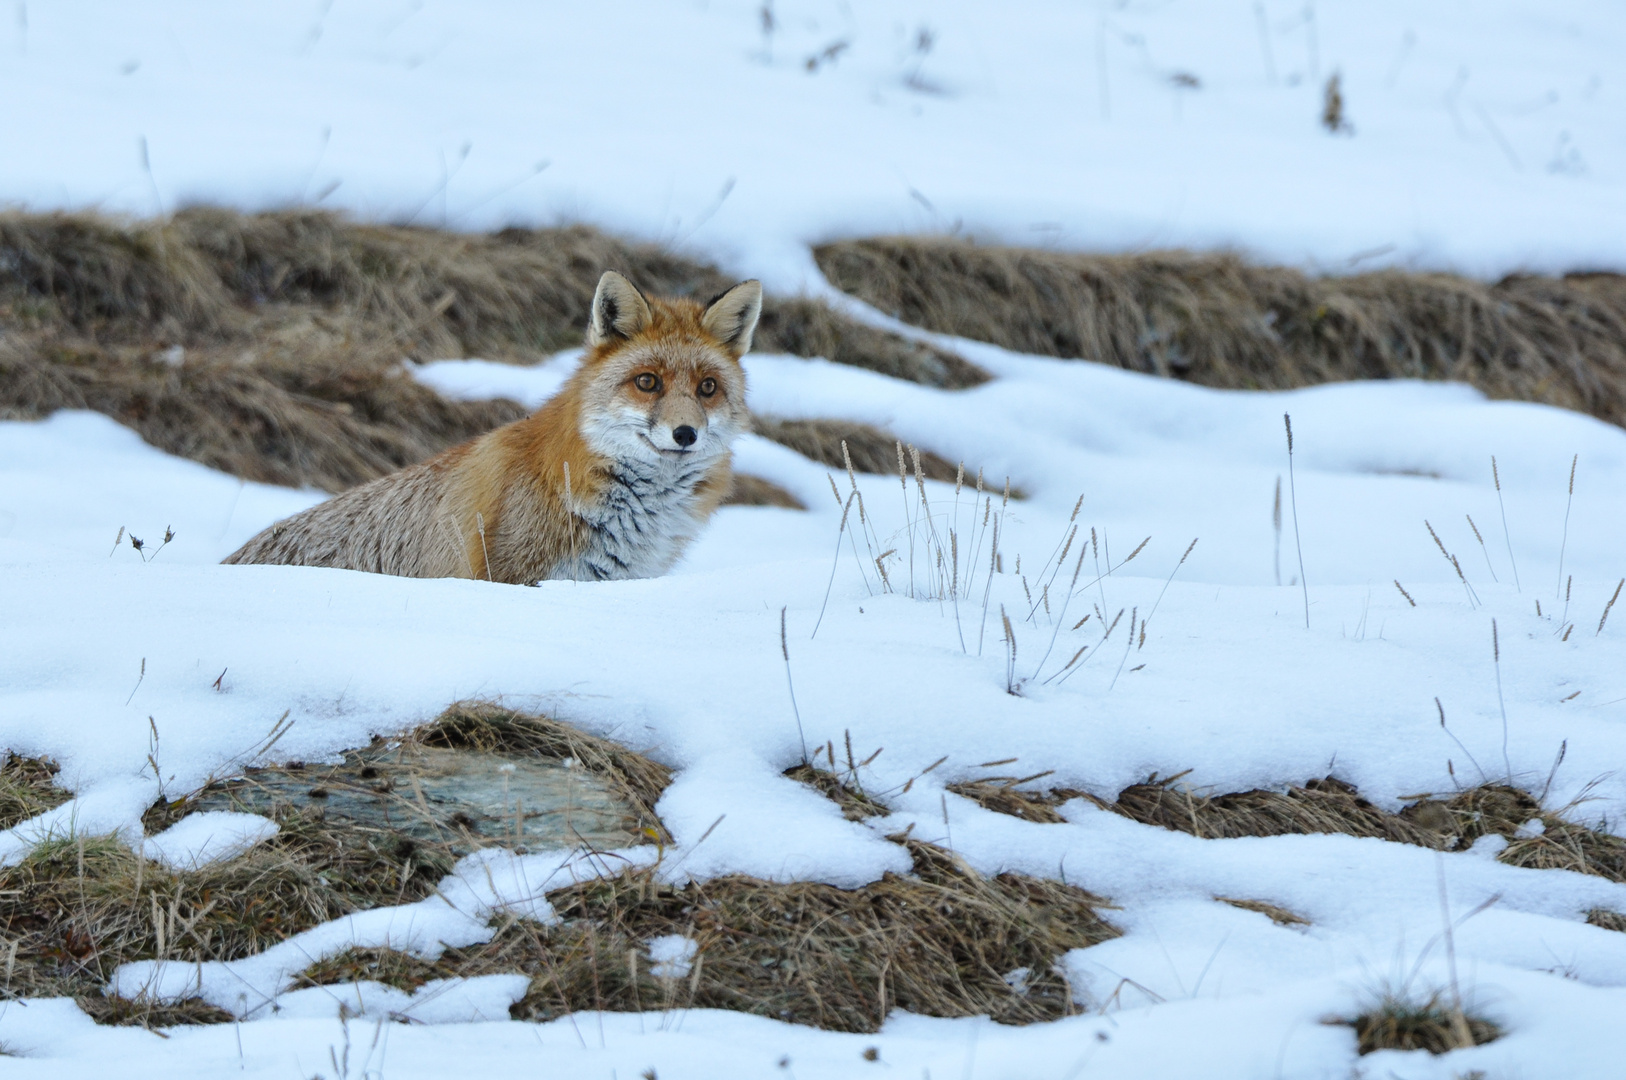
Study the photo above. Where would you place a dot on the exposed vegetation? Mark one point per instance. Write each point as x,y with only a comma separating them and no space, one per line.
1220,321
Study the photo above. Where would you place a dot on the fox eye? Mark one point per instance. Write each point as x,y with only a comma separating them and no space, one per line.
647,382
708,386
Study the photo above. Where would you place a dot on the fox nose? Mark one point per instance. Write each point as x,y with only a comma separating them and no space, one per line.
684,436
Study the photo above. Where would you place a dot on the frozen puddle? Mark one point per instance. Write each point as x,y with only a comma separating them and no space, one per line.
465,797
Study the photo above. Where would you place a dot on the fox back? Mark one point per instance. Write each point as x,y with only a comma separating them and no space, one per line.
611,478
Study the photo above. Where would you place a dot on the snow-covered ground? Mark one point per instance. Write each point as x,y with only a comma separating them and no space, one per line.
1486,139
1229,683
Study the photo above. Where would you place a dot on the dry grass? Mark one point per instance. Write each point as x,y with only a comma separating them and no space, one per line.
1275,913
79,906
873,450
270,345
1608,920
1406,1021
26,789
1216,320
856,804
939,942
755,491
1331,806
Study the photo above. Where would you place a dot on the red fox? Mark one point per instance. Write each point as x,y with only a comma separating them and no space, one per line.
611,478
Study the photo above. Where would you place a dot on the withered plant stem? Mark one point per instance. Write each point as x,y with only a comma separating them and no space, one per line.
784,649
1293,494
1496,476
1496,656
1570,501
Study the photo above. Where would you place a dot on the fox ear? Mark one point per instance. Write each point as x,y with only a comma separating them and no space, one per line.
732,317
619,310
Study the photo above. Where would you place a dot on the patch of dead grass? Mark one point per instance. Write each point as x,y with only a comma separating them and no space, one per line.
27,788
1274,912
940,941
1220,321
1409,1021
856,804
873,450
79,906
1608,920
1332,806
270,345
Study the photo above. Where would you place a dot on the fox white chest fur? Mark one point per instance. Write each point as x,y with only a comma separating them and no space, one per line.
612,478
645,516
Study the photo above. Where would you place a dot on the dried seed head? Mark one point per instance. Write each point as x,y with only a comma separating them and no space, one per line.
1496,476
1288,420
1404,593
959,479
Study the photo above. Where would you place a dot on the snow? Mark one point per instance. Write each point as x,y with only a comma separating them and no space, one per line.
486,885
209,837
1483,142
672,955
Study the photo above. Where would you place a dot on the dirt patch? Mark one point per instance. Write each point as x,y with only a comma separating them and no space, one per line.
1219,321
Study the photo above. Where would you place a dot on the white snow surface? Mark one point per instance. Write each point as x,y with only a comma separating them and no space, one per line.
1480,137
1485,140
209,837
1228,683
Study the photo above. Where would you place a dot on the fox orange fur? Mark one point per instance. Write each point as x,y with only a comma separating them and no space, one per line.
611,478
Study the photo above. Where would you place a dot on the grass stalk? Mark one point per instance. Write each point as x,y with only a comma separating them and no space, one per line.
1293,495
1506,536
1565,542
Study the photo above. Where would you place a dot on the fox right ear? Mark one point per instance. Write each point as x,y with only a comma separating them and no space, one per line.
619,310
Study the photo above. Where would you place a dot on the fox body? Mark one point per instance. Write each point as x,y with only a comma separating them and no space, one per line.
611,478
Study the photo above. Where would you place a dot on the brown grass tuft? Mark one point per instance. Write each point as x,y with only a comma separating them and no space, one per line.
756,491
1276,914
1004,797
856,804
1404,1021
873,450
1609,920
939,942
1218,321
26,788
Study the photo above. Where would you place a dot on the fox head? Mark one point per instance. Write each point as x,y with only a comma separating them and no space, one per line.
663,380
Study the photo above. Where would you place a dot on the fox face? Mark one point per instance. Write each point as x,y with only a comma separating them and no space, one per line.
664,383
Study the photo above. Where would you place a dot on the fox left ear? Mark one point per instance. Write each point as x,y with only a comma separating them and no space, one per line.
619,310
732,317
